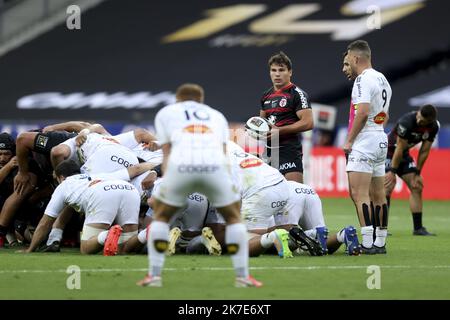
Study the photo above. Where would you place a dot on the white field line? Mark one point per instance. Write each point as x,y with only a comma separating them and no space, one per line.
230,268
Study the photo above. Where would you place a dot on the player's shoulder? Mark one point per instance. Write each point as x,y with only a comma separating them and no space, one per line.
267,93
296,90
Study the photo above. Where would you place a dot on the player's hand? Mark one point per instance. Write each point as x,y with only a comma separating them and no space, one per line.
152,146
417,181
273,133
12,163
21,182
47,128
390,179
149,180
347,147
80,139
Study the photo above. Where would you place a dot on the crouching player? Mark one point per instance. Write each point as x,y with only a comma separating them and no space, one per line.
304,209
102,200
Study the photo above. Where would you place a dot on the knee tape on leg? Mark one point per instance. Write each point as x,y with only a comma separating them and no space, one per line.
232,248
89,232
366,214
385,216
125,236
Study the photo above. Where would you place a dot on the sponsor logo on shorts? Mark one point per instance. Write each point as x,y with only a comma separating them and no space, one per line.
288,165
121,161
196,197
249,163
42,141
360,159
304,191
383,145
197,168
277,204
197,129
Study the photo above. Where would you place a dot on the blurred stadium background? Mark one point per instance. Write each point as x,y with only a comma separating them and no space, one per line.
126,59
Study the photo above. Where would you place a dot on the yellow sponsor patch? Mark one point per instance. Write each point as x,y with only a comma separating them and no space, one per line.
232,248
195,128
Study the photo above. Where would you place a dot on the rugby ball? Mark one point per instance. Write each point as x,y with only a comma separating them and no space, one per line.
257,127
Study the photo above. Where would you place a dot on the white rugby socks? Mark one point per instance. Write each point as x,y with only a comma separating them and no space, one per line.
142,236
55,235
380,240
237,244
367,236
157,245
101,238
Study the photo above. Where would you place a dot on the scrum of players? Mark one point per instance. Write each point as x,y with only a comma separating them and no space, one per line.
77,171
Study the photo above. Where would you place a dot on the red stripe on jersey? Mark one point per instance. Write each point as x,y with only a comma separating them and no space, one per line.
273,95
279,109
285,122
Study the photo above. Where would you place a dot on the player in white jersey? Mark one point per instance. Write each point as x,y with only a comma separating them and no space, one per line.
264,193
304,209
103,201
193,137
366,144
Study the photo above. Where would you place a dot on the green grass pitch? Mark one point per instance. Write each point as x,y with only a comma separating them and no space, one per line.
414,268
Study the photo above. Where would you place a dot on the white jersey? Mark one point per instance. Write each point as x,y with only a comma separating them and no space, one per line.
191,126
80,192
371,87
93,142
154,157
252,173
197,162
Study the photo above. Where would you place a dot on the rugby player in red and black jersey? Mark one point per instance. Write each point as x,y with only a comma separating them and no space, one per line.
411,129
289,109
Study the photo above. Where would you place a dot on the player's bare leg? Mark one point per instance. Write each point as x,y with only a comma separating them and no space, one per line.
95,243
237,244
359,184
415,203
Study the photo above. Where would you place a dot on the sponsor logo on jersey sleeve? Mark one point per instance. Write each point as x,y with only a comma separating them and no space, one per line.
249,163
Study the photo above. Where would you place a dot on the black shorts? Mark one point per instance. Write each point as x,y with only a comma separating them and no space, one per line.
290,158
44,142
407,164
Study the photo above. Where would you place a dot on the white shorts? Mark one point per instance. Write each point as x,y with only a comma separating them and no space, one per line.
307,214
113,201
369,153
259,208
211,179
109,158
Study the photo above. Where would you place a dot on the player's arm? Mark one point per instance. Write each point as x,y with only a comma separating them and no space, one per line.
6,169
166,152
41,232
139,169
70,126
423,154
305,123
358,124
401,146
24,145
144,136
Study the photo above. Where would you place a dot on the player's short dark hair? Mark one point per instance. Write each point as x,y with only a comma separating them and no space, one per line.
280,58
429,112
67,168
7,142
190,91
362,46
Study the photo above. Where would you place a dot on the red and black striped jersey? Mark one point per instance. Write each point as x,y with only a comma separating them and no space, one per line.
283,104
